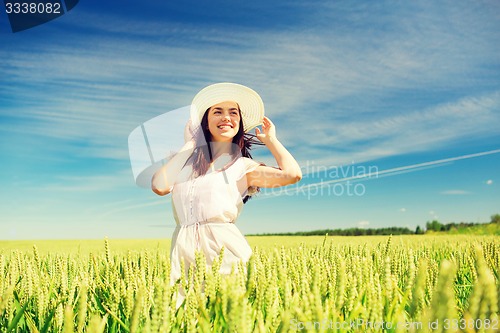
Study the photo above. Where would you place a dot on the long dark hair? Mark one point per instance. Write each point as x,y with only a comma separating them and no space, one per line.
202,155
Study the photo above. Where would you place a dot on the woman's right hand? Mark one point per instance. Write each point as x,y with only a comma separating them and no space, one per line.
189,131
268,131
192,132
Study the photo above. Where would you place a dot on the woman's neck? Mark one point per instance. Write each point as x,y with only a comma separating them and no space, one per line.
220,148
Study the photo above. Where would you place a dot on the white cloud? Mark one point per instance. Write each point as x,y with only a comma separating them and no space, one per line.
489,182
351,173
332,83
363,224
415,131
433,215
455,192
65,183
403,210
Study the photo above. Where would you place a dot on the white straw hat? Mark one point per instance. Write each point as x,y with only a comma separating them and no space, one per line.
251,105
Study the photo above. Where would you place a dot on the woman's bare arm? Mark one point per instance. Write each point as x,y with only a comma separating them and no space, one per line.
289,170
164,178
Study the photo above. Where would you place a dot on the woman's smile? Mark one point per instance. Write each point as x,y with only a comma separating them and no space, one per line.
225,126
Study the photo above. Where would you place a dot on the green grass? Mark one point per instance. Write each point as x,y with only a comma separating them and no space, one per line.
85,247
123,285
479,229
483,229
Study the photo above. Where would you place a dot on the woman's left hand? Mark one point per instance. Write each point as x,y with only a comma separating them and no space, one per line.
268,130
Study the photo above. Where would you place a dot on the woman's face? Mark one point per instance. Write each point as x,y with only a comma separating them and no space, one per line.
224,121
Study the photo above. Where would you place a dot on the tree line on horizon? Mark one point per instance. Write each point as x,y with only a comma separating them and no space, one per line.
438,226
430,226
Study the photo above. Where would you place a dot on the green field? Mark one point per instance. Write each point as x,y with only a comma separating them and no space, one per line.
482,229
315,283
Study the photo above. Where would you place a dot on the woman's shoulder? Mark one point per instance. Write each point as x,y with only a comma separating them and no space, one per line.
248,162
245,165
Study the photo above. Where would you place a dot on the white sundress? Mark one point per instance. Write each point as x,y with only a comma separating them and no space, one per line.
205,210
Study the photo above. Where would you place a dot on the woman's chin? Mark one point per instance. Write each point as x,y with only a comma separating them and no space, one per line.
224,137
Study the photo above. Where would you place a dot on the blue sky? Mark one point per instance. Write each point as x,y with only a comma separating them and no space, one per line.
349,86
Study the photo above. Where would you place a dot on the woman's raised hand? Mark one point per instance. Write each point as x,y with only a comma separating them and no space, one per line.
268,130
192,133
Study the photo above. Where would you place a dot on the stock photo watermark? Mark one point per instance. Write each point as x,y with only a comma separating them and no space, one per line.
335,181
28,14
361,324
349,171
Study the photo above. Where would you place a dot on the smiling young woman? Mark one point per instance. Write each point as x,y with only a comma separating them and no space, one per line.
214,175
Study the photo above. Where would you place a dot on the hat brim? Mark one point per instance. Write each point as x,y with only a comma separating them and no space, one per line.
250,103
